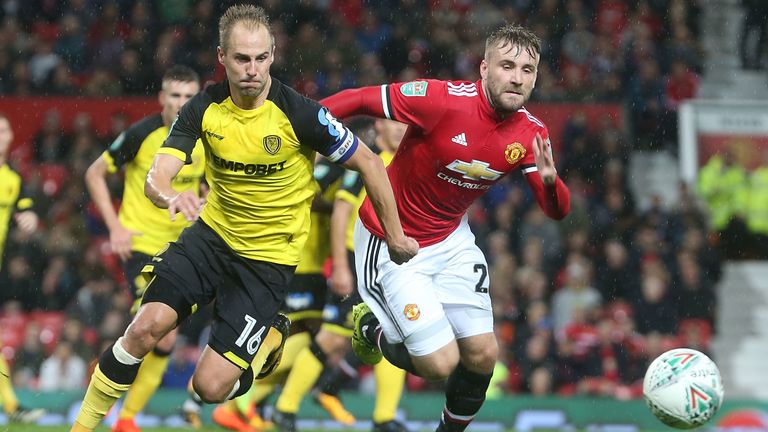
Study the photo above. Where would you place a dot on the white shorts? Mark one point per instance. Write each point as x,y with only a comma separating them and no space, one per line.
438,296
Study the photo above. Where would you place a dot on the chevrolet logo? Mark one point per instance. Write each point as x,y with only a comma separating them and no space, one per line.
477,170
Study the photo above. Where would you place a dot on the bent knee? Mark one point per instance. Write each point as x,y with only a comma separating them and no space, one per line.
481,360
437,368
212,391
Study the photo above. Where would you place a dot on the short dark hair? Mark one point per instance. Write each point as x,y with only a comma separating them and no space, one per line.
252,16
181,73
514,35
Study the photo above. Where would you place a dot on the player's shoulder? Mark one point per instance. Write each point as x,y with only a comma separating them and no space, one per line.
527,119
8,173
295,105
462,89
142,128
213,93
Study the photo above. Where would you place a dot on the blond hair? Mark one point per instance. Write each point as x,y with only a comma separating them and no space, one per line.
251,16
514,35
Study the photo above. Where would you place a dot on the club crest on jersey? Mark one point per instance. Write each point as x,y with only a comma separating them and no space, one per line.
514,153
272,144
414,88
412,312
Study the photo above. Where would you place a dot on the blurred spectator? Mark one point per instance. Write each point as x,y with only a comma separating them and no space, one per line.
754,32
63,370
724,186
29,358
51,143
577,297
654,309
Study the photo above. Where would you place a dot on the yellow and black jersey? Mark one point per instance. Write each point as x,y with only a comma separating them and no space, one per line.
135,149
352,191
259,165
318,247
12,199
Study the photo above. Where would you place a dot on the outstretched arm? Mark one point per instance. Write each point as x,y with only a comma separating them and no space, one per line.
359,101
158,188
371,169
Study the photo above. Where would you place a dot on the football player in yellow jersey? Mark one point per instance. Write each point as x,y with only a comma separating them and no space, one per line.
303,306
260,138
140,230
333,340
17,206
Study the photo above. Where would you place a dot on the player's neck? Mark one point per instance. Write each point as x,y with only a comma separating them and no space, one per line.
502,115
249,103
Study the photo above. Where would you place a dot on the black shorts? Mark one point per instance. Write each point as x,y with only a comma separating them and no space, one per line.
200,267
337,313
304,301
132,271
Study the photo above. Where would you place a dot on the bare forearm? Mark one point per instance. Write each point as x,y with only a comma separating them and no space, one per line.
97,187
342,211
158,189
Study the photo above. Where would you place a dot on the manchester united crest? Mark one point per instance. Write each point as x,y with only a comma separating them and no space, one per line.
412,312
514,153
272,144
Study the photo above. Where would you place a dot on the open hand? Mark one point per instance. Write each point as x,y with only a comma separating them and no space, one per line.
542,154
187,203
120,241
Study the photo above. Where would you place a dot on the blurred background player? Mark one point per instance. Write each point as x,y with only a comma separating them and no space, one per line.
140,229
303,306
14,204
331,344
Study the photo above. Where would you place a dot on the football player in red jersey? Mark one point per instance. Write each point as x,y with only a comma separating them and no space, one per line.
434,312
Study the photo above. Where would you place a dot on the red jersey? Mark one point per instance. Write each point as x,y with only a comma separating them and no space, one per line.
455,149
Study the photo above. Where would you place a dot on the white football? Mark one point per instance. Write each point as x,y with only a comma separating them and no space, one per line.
683,389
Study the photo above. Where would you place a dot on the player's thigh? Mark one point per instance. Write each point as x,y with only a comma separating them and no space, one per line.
479,352
401,296
190,269
246,305
304,302
462,285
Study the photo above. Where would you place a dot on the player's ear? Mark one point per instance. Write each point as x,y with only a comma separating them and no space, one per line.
220,54
483,69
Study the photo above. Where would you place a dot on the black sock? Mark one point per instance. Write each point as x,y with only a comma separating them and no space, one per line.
398,355
334,379
318,352
116,370
464,395
246,381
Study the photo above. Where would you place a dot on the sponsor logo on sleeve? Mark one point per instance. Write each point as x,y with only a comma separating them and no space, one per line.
414,88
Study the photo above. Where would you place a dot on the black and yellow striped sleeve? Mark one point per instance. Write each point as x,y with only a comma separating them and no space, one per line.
125,147
187,128
316,127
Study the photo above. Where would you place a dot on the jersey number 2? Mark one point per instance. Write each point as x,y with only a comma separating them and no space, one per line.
483,274
255,340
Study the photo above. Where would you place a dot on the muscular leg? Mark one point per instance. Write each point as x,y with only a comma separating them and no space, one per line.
466,386
120,363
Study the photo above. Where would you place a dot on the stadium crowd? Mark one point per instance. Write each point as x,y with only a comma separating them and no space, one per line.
581,306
